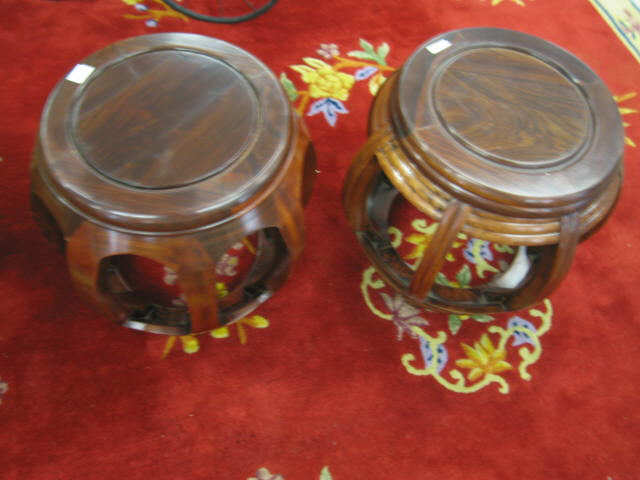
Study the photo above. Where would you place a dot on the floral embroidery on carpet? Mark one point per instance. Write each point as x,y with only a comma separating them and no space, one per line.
626,111
486,354
463,353
623,16
328,85
191,343
152,15
264,474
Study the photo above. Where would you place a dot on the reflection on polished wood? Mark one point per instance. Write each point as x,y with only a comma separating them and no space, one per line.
499,135
175,147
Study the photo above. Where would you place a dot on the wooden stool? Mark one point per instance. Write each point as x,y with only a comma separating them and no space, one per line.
501,136
172,147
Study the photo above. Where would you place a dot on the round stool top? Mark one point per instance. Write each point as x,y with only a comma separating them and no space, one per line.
506,120
164,132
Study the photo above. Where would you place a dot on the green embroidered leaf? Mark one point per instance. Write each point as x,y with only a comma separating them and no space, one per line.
289,87
464,276
455,322
325,474
367,47
362,55
441,279
502,248
482,318
383,51
369,53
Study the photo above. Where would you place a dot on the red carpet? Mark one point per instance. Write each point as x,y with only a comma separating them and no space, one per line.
334,377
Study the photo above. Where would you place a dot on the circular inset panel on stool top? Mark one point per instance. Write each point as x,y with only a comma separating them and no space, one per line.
141,100
165,132
511,108
509,119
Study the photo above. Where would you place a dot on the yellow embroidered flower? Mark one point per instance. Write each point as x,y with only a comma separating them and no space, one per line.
323,80
483,359
190,343
153,15
221,290
421,240
255,321
626,111
375,83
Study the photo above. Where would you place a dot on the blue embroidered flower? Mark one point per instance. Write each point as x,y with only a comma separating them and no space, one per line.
365,73
485,251
427,355
329,107
520,337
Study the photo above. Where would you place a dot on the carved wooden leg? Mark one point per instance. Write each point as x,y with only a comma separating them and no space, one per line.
369,220
198,286
453,220
282,244
195,269
359,181
291,227
551,268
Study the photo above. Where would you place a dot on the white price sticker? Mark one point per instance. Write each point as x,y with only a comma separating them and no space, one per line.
80,73
438,46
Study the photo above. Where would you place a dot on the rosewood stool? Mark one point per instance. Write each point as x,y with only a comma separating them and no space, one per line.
496,134
172,147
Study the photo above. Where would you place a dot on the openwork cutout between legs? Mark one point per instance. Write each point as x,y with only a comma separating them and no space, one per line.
132,283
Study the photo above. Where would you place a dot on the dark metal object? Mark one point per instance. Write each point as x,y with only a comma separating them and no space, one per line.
255,12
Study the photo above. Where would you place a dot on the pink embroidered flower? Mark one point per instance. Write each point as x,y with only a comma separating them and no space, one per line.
328,50
170,276
227,265
403,315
